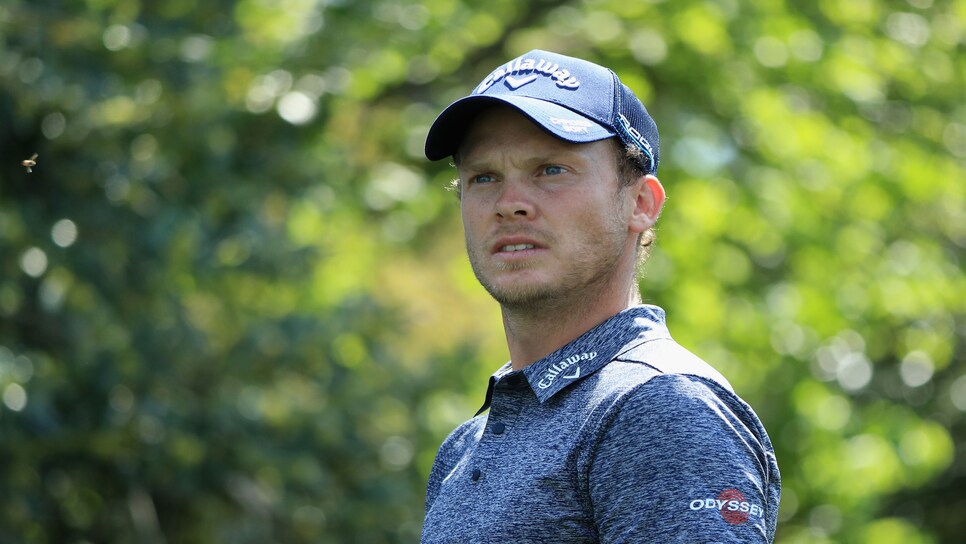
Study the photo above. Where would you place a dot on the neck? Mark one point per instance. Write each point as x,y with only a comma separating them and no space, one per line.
537,331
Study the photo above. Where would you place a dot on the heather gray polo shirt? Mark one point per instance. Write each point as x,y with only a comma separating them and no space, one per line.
620,436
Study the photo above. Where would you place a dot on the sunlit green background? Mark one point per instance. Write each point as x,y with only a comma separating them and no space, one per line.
234,305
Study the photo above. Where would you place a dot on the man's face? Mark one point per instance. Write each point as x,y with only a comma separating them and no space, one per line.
544,220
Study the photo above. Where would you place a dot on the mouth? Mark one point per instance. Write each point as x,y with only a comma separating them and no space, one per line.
515,246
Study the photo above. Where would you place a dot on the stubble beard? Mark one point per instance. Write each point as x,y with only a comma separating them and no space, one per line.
588,275
527,297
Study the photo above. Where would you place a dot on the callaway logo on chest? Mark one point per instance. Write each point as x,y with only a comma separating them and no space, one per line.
522,71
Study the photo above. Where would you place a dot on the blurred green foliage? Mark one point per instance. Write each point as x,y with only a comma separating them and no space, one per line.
234,305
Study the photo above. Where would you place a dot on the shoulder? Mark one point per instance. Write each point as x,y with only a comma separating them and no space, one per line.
658,368
461,437
456,445
661,385
670,430
682,405
678,440
461,440
665,356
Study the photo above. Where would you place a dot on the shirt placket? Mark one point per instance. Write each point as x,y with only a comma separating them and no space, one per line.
510,396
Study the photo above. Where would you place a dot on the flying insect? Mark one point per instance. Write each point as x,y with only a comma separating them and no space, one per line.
29,163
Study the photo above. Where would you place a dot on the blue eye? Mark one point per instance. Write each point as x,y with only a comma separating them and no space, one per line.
482,178
554,170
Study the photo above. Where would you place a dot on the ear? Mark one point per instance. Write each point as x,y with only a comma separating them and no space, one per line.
648,196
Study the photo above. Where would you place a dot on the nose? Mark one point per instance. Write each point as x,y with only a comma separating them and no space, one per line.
514,201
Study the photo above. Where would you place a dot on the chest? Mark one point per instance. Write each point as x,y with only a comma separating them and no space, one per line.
521,478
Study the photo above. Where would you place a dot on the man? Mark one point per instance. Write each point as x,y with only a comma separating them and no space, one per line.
600,427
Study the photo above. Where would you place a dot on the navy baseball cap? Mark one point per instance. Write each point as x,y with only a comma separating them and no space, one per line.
572,99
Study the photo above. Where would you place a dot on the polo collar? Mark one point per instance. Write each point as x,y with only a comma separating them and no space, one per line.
588,353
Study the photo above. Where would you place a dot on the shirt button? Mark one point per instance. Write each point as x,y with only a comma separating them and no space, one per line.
498,428
476,474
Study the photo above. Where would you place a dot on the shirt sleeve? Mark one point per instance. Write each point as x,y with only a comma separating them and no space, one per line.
681,459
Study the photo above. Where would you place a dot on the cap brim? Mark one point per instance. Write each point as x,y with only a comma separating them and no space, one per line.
447,132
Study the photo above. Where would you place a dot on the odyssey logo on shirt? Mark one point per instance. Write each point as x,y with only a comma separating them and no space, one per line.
557,368
731,504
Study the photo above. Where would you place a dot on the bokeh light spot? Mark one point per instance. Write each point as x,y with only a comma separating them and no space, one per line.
33,262
64,233
15,397
297,108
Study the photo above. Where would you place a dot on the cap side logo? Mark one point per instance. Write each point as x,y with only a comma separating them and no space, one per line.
636,136
521,71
